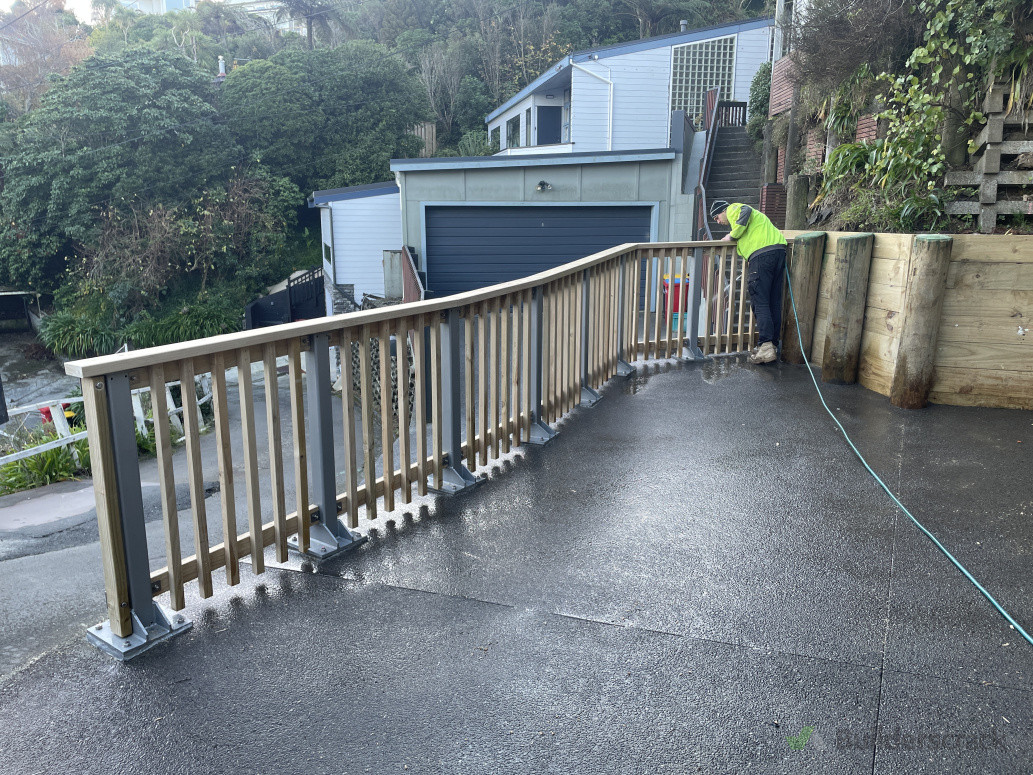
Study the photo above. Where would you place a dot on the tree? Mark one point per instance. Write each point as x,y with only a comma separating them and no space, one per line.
275,115
441,72
115,127
327,118
316,14
35,43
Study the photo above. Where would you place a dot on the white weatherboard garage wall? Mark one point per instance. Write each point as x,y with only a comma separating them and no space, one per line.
363,229
641,102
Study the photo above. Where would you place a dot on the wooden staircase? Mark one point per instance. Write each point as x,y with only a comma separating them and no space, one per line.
1000,164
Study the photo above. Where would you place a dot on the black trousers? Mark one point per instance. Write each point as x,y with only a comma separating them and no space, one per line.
764,282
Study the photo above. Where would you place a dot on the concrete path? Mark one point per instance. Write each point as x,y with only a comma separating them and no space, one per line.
691,573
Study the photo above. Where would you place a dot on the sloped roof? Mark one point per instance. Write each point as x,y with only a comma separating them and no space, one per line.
617,49
352,192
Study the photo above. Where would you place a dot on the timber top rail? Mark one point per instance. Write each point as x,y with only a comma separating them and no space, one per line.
85,368
429,391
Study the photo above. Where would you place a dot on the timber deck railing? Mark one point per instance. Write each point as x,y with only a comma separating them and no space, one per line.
497,366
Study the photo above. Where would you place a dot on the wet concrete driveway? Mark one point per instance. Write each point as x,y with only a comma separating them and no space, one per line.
689,577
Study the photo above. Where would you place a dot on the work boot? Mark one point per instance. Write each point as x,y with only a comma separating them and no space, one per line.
765,354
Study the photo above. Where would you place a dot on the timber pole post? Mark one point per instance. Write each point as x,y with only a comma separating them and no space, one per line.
848,297
920,328
804,276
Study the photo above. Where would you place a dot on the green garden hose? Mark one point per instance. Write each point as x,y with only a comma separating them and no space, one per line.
882,484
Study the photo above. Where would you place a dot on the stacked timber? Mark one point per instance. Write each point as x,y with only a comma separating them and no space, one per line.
1002,163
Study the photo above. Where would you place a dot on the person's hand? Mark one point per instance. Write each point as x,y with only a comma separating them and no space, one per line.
727,237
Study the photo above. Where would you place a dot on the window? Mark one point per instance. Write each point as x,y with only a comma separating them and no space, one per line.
513,132
494,137
697,68
527,127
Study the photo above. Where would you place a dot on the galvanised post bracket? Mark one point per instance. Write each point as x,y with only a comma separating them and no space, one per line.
152,623
328,536
695,294
540,433
163,626
624,369
456,476
590,397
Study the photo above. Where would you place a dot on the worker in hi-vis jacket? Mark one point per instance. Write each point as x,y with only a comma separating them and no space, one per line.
764,248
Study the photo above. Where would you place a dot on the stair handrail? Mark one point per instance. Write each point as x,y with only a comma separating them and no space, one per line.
710,123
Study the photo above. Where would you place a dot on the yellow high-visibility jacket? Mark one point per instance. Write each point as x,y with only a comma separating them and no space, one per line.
752,230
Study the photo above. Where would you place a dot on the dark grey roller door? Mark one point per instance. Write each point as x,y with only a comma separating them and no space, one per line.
471,247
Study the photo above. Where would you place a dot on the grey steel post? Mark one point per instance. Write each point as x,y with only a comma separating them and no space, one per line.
695,292
152,623
328,536
589,396
456,476
541,433
624,369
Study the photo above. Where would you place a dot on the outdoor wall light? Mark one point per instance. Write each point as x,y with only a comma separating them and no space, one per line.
543,186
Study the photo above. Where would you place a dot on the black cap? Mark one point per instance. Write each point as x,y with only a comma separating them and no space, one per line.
718,207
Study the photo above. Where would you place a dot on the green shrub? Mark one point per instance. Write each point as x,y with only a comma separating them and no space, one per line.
47,467
760,100
77,336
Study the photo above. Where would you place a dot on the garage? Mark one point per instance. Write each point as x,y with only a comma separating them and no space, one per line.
471,246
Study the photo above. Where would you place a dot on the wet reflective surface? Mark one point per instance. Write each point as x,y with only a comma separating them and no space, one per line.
694,570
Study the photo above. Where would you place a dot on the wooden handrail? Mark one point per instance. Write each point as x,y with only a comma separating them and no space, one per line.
88,368
534,349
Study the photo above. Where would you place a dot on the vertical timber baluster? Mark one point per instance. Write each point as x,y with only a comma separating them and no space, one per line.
505,347
494,372
387,418
731,299
404,452
167,482
227,495
420,403
275,433
245,389
369,455
351,483
482,367
436,411
647,302
741,318
196,477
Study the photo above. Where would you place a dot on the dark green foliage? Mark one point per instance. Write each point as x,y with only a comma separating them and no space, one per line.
116,126
760,99
326,118
46,467
77,335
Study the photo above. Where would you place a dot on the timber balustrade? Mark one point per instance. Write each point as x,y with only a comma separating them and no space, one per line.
490,370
